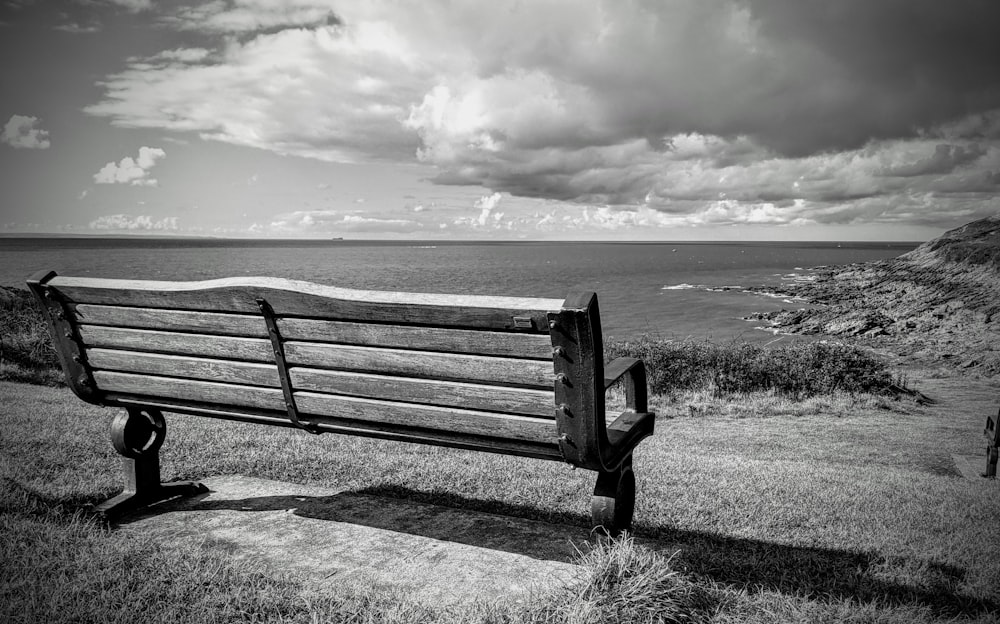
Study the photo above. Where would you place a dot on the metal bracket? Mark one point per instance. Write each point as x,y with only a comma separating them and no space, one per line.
279,359
65,338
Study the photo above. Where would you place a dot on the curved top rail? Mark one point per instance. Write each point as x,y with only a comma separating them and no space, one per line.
297,298
309,288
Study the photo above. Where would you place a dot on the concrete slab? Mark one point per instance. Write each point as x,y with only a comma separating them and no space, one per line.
440,554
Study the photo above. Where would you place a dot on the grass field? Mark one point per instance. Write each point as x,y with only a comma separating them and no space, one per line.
750,509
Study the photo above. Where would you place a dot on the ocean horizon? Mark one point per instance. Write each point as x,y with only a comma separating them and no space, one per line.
670,289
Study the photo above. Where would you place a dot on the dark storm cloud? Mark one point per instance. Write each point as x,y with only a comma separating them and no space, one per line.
892,67
945,159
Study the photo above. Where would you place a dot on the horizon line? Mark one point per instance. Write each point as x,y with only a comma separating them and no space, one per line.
313,239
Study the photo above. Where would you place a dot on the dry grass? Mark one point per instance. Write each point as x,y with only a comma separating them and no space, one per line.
26,352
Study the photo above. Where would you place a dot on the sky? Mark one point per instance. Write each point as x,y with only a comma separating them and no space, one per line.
509,120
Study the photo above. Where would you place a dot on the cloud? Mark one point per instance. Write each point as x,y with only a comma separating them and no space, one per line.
323,93
78,29
131,171
133,6
728,111
337,221
486,204
128,223
182,55
251,16
22,131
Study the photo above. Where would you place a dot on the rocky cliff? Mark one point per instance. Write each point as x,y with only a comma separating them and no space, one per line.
939,303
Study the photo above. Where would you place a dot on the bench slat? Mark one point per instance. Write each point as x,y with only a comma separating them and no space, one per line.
470,396
484,369
306,299
423,364
464,395
403,415
172,320
342,332
516,345
225,347
372,430
248,373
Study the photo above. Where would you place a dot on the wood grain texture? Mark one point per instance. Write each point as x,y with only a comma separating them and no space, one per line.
327,424
172,320
504,426
536,346
380,413
483,369
185,366
455,394
194,390
422,364
516,345
306,299
225,347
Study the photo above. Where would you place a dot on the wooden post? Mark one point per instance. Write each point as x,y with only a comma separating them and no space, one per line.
138,434
992,434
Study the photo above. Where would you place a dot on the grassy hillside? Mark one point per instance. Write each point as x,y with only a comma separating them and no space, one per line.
937,304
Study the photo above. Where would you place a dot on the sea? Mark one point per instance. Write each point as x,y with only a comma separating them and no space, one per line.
672,290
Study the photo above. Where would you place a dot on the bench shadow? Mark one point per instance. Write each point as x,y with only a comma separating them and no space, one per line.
526,530
748,563
515,533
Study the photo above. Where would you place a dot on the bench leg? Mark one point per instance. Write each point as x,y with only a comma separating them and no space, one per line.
138,434
614,500
991,462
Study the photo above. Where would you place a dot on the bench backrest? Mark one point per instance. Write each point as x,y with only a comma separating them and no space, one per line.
493,373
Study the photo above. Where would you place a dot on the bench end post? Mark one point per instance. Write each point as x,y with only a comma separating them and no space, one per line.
613,503
137,434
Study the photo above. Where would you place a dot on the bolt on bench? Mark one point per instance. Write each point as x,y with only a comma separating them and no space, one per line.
517,376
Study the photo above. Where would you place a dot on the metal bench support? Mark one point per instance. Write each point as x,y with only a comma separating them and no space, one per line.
138,434
613,502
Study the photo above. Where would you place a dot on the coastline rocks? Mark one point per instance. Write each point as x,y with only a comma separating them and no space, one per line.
939,303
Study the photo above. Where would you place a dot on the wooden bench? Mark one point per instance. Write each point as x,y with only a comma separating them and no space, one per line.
517,376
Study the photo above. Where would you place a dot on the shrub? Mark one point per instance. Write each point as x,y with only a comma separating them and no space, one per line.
798,370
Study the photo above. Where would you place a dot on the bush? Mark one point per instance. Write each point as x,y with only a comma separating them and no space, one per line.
26,352
798,370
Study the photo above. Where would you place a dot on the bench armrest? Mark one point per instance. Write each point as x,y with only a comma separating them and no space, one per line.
636,422
635,387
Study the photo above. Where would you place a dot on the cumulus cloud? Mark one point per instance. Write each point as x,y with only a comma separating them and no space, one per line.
338,221
128,170
486,204
129,223
735,111
322,93
22,131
